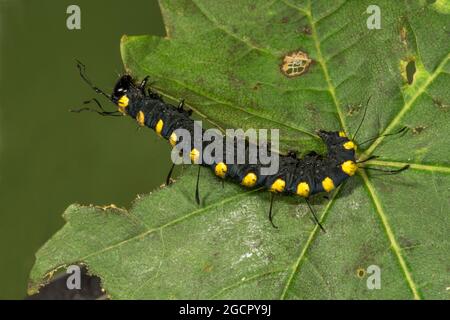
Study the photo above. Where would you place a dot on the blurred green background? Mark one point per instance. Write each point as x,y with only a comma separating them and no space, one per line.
50,157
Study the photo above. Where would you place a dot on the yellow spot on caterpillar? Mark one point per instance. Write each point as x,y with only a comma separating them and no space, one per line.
342,134
221,169
303,189
350,145
278,186
328,184
173,139
249,180
349,167
159,127
123,103
195,154
140,118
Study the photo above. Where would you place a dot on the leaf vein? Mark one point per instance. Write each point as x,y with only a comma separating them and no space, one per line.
407,106
321,61
170,223
223,28
249,279
417,166
390,235
298,262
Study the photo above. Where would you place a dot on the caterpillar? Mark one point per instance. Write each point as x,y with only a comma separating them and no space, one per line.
303,177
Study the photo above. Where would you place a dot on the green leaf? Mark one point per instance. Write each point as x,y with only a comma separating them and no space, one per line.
224,58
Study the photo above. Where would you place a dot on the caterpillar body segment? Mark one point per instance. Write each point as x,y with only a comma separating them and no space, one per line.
304,177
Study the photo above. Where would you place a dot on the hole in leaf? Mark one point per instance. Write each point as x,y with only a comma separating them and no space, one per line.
360,273
410,71
295,63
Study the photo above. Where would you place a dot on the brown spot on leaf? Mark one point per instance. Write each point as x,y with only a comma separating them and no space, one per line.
235,80
285,20
360,273
111,207
407,243
418,129
295,64
257,86
403,36
353,109
441,105
208,268
306,30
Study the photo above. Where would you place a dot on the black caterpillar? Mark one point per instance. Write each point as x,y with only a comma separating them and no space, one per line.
304,177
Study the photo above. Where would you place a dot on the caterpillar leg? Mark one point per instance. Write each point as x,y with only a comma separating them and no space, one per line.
181,105
362,120
169,175
181,109
153,94
402,130
314,215
143,84
101,112
82,69
292,154
272,196
385,171
197,193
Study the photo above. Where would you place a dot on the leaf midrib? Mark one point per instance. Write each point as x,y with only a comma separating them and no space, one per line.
390,235
417,166
321,60
298,262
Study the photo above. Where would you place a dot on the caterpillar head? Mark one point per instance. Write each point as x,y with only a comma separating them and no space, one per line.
338,143
122,90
